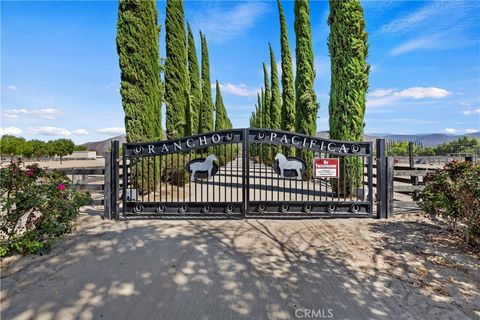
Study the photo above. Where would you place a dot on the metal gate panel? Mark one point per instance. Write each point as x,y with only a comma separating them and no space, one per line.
172,177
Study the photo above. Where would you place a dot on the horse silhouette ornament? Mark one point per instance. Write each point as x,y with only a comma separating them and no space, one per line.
202,168
289,167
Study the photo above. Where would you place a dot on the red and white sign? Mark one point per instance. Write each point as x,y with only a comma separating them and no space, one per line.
325,167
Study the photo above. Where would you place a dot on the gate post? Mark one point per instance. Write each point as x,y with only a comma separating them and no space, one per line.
381,180
114,179
390,180
107,183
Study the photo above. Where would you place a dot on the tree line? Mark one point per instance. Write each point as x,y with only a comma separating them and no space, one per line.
296,108
185,86
11,146
463,145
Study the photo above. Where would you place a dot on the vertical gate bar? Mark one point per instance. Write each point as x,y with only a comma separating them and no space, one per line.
178,176
225,186
363,178
125,179
195,181
183,177
189,180
370,177
272,193
148,178
115,177
154,178
231,173
215,151
107,194
171,176
160,179
390,176
137,184
344,178
237,147
246,171
201,180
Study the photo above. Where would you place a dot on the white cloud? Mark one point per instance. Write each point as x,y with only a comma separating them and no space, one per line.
386,97
450,130
12,87
381,93
470,112
220,25
112,130
471,130
80,132
241,89
423,93
46,113
427,42
404,24
14,131
50,131
17,111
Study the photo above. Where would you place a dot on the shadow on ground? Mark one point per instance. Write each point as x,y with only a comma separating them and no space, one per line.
243,269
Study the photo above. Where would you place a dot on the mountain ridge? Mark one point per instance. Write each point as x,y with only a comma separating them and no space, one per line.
426,139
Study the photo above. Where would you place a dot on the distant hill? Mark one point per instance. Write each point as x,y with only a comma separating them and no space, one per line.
103,146
428,140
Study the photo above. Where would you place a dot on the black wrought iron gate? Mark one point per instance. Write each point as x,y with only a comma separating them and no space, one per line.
247,172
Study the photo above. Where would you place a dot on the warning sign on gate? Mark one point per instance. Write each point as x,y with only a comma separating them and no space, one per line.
325,167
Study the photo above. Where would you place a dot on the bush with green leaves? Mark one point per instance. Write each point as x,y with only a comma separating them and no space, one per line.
36,208
453,193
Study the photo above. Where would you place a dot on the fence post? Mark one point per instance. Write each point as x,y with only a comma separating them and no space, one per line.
107,206
390,180
115,178
410,154
381,180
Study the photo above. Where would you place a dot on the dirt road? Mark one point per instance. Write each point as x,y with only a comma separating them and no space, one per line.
404,268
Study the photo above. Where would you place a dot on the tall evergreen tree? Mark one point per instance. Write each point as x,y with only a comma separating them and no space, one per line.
176,76
275,102
306,101
139,57
266,98
260,110
206,107
194,77
221,119
348,49
288,89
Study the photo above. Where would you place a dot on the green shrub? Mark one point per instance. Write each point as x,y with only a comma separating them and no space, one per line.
454,194
36,208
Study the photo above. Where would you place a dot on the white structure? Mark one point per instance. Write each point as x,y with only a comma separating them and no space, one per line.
206,165
284,164
81,155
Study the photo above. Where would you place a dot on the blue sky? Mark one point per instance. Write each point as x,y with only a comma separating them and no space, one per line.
60,74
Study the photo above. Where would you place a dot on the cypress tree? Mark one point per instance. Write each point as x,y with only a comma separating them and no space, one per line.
221,120
260,110
306,101
194,77
206,107
176,76
266,98
139,59
348,49
288,89
275,103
